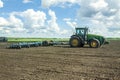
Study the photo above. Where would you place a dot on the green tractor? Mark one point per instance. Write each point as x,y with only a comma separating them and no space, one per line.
81,37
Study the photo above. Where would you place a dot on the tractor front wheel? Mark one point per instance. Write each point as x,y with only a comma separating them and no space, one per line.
94,43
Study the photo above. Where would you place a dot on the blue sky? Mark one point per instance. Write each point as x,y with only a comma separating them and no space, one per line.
58,18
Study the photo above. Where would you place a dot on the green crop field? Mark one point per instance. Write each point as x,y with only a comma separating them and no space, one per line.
35,39
113,38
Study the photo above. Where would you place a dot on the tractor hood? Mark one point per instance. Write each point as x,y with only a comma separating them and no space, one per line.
93,35
99,37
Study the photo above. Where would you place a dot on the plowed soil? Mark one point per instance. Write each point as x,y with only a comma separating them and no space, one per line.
60,63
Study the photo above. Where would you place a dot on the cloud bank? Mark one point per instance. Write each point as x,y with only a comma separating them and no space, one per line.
27,1
34,23
101,16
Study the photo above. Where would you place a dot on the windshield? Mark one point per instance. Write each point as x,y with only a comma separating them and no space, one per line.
80,31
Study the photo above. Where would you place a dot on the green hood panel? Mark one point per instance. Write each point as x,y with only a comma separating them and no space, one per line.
99,37
93,35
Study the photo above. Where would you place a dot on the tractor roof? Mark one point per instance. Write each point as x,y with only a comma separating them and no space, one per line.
81,28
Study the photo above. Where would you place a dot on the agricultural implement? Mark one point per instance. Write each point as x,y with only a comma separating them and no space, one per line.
14,46
81,37
35,44
24,45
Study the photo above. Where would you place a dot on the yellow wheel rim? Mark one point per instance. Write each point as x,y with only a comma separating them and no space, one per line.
93,44
75,42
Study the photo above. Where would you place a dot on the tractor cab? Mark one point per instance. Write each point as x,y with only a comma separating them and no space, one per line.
82,32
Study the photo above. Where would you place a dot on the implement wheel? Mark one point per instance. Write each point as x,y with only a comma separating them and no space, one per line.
75,42
94,43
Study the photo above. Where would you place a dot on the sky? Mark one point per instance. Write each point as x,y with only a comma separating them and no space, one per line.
58,18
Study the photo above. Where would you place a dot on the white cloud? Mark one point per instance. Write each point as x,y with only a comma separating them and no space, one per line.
67,19
22,22
64,32
1,4
31,23
99,4
3,21
53,26
33,19
11,25
70,22
14,22
62,3
102,16
27,1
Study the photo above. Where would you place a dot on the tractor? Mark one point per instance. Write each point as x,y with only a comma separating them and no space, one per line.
81,37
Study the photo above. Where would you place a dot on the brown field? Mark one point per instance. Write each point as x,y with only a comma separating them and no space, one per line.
61,63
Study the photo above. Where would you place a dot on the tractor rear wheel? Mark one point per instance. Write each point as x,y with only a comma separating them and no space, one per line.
75,42
94,43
